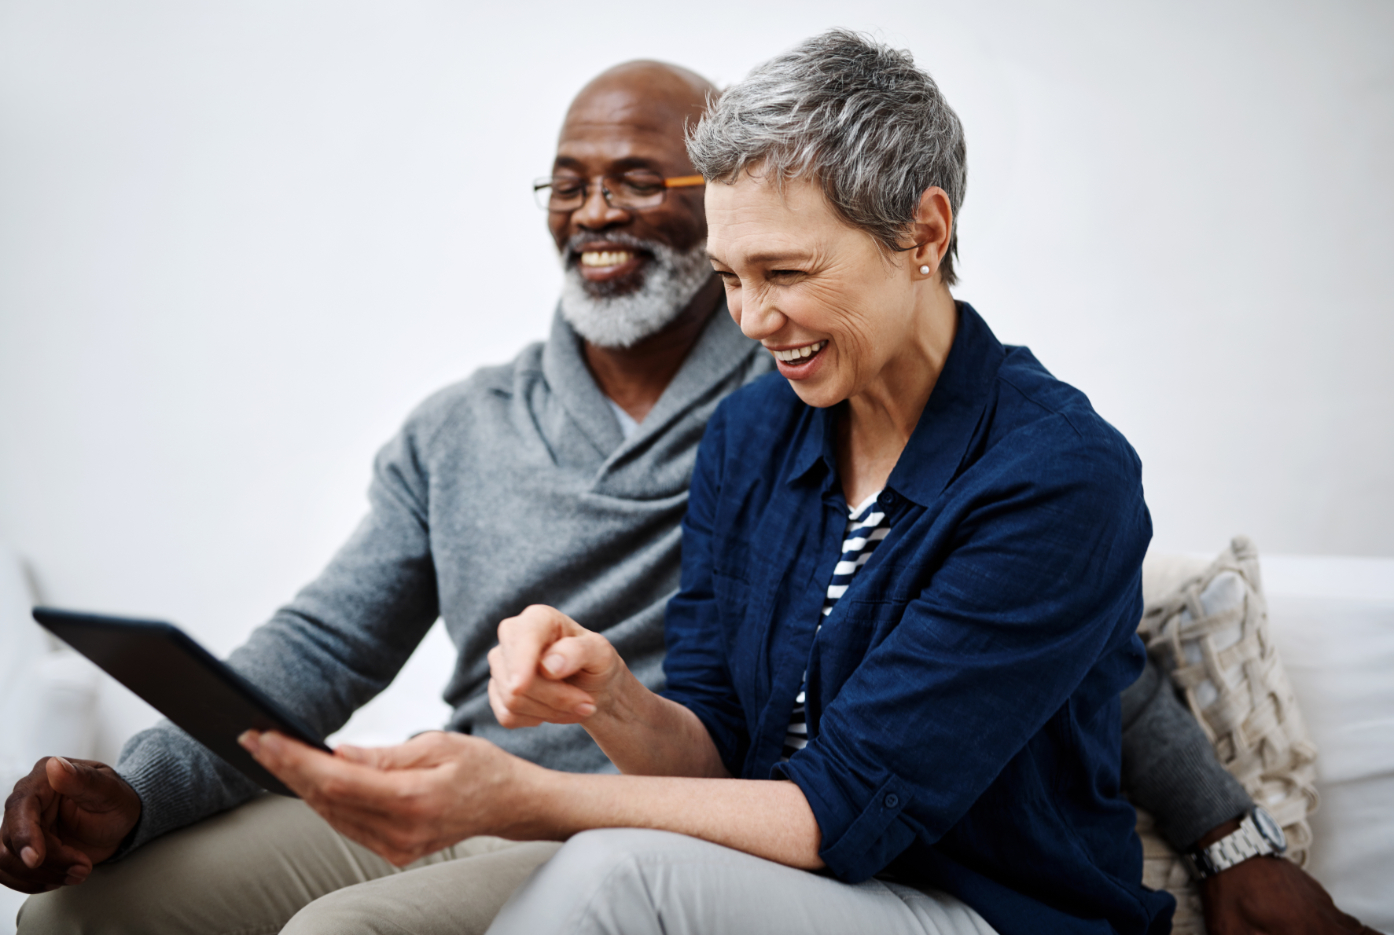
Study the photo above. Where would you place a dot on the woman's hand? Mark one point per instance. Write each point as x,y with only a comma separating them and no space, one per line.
407,801
411,800
548,668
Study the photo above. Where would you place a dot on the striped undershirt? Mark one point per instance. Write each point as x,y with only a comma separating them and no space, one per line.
864,532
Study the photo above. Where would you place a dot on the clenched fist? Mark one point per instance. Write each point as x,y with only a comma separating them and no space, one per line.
63,819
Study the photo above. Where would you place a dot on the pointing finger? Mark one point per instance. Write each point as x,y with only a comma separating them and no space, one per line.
523,640
572,654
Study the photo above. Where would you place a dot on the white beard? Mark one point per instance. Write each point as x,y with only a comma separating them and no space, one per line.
669,284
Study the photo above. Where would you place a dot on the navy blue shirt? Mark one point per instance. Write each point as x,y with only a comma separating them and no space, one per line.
963,696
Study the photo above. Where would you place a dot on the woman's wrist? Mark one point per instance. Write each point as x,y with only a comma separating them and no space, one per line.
622,711
767,818
534,803
644,733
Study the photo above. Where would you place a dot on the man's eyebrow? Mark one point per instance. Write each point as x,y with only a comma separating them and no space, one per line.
626,164
634,162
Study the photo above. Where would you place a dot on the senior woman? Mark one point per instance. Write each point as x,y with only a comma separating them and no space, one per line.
911,579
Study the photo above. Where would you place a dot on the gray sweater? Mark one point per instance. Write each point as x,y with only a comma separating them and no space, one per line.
513,487
510,488
1169,767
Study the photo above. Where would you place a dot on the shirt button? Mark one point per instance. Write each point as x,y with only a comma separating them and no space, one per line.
891,801
887,497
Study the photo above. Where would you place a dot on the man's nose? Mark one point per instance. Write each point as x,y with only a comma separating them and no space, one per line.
595,212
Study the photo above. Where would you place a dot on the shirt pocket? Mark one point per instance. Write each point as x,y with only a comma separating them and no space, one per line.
850,633
870,612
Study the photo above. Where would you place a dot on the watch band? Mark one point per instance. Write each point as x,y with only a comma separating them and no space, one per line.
1234,848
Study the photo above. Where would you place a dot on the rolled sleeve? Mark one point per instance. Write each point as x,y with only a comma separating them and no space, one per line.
862,819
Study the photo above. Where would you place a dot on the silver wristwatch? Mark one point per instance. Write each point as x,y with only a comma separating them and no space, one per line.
1258,835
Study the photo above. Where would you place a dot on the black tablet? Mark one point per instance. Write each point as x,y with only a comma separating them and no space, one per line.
184,682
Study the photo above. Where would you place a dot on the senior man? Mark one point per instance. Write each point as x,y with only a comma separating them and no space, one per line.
559,479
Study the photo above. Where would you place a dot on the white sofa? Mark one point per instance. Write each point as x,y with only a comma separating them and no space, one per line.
1332,619
1333,622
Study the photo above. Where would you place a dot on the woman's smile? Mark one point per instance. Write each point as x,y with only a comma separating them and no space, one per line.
799,361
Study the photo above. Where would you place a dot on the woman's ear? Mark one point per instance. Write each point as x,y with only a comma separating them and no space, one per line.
931,230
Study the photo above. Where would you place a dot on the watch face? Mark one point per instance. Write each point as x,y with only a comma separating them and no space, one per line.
1270,829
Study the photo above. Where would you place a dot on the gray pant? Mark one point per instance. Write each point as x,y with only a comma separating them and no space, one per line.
273,865
638,882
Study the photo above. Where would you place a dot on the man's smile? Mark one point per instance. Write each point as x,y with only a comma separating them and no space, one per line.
601,261
605,258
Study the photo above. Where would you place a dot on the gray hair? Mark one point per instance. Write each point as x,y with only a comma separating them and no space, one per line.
856,116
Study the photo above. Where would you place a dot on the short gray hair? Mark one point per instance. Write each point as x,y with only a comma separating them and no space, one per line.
852,114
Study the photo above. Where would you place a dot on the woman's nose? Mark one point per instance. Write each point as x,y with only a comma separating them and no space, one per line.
758,315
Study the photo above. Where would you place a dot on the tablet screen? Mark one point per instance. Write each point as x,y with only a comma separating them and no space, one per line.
184,682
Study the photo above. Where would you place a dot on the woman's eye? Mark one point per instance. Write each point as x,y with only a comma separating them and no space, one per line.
785,275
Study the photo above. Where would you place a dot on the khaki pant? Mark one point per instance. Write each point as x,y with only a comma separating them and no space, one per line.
273,865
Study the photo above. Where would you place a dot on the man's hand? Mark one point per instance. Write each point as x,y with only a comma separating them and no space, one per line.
548,668
407,801
1271,896
62,819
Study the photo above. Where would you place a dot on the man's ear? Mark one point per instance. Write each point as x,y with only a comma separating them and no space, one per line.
931,231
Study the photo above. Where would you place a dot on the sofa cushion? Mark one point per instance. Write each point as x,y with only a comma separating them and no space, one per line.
1208,628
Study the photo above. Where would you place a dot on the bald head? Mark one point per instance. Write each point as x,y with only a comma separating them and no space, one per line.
646,95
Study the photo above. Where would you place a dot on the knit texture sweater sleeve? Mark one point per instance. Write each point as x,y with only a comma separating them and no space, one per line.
1169,767
336,645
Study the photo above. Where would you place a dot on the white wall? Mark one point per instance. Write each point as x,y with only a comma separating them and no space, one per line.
239,241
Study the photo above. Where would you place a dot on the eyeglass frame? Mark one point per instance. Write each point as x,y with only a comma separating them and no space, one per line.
669,182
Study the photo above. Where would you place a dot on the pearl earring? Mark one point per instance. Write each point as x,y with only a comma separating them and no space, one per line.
924,270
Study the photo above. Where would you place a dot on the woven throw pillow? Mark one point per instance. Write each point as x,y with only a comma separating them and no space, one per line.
1209,631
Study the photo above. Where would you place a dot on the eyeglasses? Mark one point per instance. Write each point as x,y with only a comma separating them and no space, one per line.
632,191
